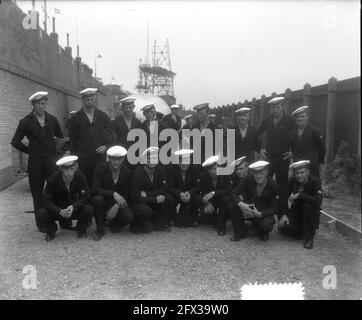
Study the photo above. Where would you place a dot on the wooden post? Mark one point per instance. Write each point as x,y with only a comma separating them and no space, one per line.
252,111
288,98
307,92
262,107
331,119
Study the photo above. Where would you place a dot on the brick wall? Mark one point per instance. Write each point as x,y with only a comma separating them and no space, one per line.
30,60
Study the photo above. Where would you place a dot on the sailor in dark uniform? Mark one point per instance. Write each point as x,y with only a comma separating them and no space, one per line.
255,199
214,196
188,123
277,127
172,120
150,123
152,205
125,122
213,119
300,203
66,197
203,124
40,128
247,140
240,171
307,141
111,182
90,134
183,185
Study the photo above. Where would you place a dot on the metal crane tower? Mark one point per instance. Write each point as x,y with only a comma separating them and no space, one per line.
158,78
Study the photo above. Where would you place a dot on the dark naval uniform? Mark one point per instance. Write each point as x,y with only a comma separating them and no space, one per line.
121,130
85,137
267,203
103,188
304,212
277,143
202,146
171,123
146,127
148,213
308,146
220,200
41,151
187,214
56,197
248,145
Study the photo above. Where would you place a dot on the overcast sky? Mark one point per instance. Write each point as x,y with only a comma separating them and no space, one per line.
222,52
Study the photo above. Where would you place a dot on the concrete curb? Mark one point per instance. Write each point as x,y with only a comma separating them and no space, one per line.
341,227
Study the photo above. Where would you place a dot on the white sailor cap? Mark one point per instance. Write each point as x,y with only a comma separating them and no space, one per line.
67,161
88,92
184,153
73,112
175,106
127,101
242,110
212,115
38,96
238,162
201,106
259,165
299,164
276,100
188,116
116,152
152,151
148,107
300,110
211,161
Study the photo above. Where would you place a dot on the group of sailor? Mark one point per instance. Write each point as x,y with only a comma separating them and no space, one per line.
97,181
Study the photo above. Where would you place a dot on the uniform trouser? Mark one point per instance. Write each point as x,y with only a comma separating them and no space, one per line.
87,164
157,214
83,215
314,169
39,169
123,217
187,214
303,221
262,225
280,168
221,211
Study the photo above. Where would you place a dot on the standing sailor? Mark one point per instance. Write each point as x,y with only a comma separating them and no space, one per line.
277,127
255,199
149,125
66,198
172,120
90,134
307,141
40,128
247,140
203,124
188,123
125,122
300,203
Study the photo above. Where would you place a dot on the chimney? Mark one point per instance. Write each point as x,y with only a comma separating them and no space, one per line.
54,35
68,49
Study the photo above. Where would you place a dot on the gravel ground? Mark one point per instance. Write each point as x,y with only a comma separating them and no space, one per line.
345,207
183,264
